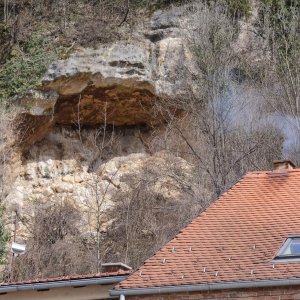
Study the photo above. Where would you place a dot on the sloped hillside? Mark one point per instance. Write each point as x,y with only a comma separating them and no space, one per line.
117,131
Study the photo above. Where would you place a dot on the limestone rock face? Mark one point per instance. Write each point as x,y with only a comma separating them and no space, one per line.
111,85
65,167
120,84
84,133
117,85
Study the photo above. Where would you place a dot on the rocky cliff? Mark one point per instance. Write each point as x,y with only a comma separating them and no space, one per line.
118,85
87,129
120,144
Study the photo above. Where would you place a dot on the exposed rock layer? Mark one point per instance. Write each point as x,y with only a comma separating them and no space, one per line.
116,85
72,166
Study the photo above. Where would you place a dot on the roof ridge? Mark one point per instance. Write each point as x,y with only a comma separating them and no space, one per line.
259,172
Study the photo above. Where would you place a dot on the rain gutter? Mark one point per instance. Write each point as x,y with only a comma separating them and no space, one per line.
204,287
58,284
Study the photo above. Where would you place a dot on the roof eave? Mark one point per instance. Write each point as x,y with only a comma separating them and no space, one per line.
205,287
64,283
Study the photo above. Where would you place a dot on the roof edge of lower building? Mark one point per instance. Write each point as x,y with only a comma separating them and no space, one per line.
205,287
63,283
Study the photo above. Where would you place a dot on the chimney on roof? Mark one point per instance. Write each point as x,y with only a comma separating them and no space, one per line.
283,165
114,267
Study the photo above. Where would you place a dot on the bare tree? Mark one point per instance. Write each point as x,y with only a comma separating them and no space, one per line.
219,129
279,24
8,154
145,217
54,240
101,141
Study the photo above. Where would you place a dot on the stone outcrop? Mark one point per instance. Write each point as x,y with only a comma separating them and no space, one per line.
110,85
60,130
118,85
66,167
122,83
93,135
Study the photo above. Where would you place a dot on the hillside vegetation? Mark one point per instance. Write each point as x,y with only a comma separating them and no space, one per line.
234,108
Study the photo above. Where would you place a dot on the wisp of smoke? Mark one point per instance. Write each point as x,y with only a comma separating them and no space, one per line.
289,127
244,107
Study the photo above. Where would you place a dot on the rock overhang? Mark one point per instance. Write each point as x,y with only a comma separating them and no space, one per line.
119,84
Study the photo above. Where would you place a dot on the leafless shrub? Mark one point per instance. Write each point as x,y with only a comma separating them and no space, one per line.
219,132
55,246
8,154
279,24
145,218
69,21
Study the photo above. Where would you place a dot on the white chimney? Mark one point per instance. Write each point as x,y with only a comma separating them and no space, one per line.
279,165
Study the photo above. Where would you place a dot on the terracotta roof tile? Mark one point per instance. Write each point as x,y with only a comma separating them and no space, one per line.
68,278
235,239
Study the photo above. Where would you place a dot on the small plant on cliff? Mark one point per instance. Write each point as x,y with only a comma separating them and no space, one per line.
239,8
25,66
3,238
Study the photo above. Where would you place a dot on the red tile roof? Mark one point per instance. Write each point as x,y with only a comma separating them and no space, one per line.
68,278
234,240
